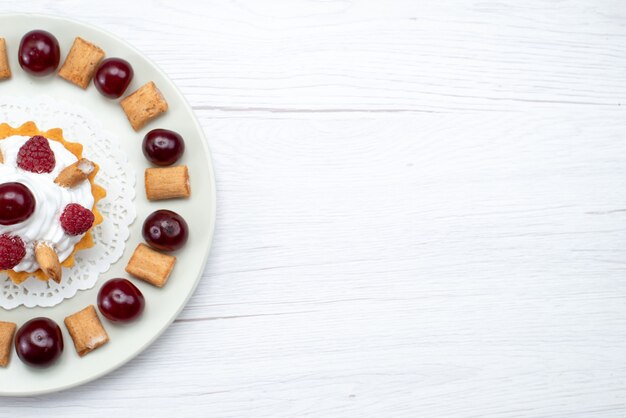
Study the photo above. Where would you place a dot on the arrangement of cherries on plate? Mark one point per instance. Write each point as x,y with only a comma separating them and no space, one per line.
39,54
39,342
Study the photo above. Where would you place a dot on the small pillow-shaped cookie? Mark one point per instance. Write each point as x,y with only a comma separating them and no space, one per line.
5,70
151,266
143,105
7,331
167,182
86,330
81,62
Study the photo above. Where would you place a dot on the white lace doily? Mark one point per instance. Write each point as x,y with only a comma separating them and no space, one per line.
115,175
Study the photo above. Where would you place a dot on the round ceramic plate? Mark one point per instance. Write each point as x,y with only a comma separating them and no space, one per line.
162,305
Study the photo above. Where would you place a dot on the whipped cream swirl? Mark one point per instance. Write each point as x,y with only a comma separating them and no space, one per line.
44,224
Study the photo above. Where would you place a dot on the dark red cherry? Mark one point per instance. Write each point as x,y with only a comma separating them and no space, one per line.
39,53
120,301
17,203
165,230
113,77
39,342
163,147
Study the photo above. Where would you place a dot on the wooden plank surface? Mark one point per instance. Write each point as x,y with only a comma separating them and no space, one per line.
421,210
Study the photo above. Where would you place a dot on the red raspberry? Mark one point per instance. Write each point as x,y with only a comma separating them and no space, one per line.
36,156
12,250
76,220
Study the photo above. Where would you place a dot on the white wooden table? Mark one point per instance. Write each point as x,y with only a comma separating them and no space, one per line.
422,210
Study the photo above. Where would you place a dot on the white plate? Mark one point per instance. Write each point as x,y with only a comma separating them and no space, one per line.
162,305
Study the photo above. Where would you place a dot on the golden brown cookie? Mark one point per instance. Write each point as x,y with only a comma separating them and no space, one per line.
167,182
145,104
86,330
7,331
81,62
151,266
5,70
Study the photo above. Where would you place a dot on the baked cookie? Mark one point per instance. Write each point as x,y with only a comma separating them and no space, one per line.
145,104
81,62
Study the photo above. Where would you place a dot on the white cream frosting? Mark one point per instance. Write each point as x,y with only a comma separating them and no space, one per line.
44,224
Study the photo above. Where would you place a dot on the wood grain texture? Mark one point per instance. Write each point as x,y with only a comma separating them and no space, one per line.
421,211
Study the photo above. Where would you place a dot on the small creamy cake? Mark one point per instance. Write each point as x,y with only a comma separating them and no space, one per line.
47,203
